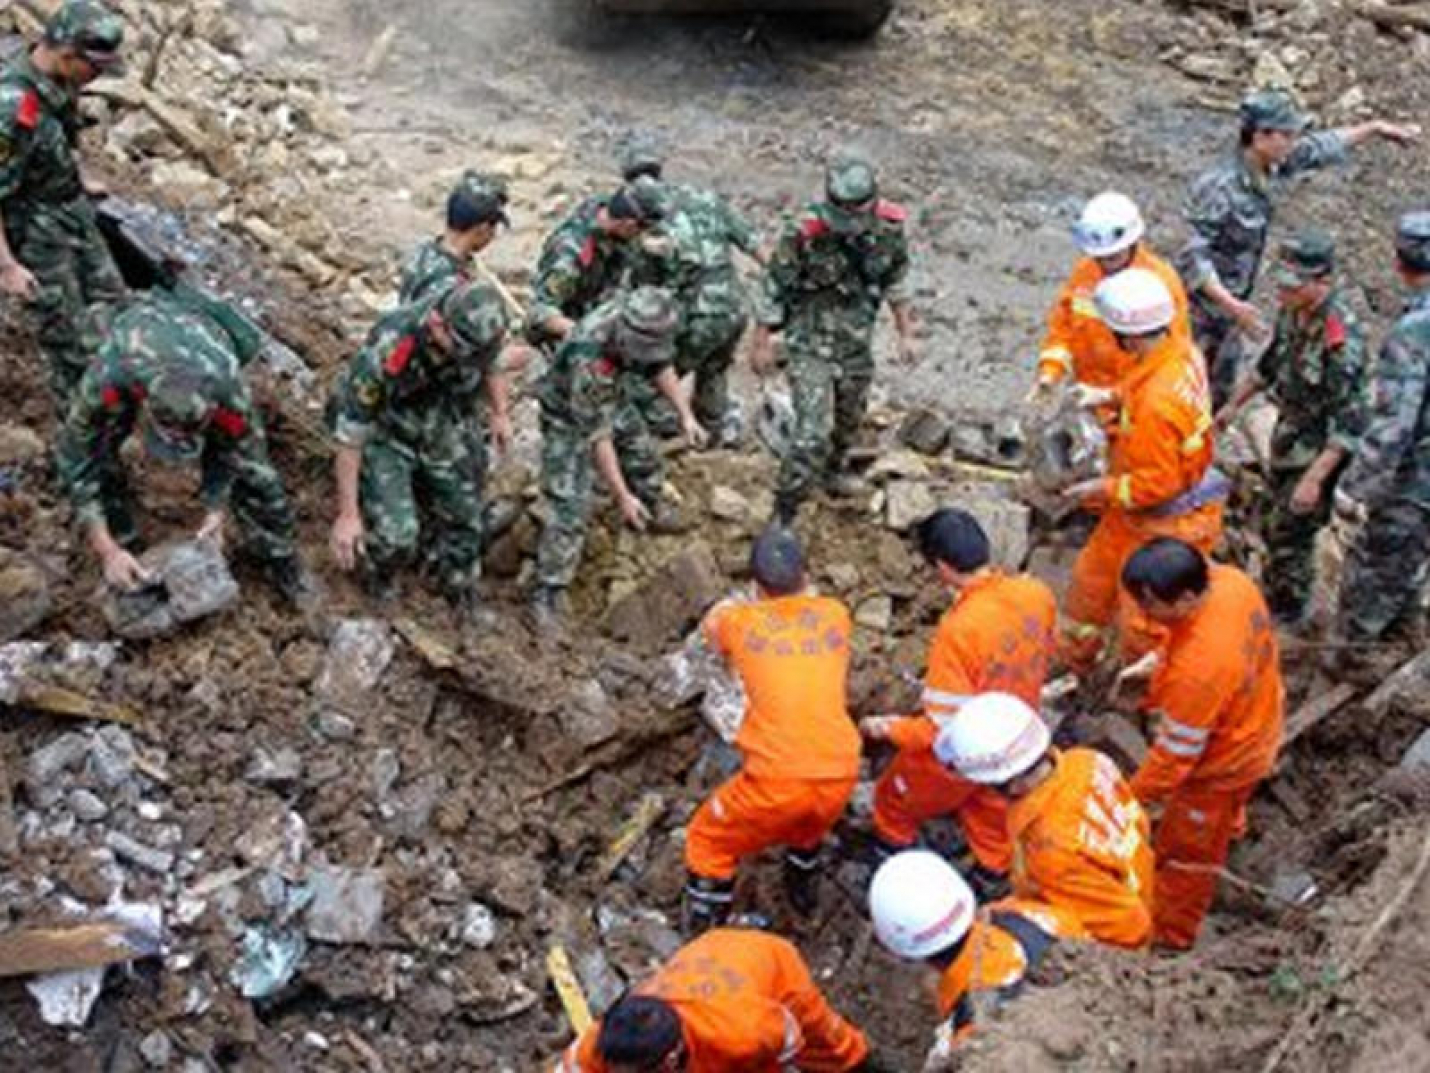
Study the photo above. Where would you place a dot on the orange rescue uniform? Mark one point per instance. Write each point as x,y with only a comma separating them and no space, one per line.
1079,344
997,637
1160,483
1219,700
800,748
746,1004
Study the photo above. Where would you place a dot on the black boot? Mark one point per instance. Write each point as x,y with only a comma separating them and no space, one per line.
801,881
294,583
706,904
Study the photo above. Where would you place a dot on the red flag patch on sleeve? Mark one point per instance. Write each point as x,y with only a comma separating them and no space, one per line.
1335,331
401,354
587,256
110,397
28,112
228,422
603,366
812,227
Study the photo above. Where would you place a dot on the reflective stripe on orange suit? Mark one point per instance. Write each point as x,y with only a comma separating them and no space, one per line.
1079,344
747,1004
800,748
1163,451
998,636
1082,848
1219,701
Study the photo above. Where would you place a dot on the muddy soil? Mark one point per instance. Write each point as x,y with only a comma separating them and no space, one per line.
992,122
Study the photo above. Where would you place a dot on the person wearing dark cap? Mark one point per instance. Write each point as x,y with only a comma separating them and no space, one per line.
398,413
52,255
1228,212
583,261
1314,371
790,649
1387,486
476,207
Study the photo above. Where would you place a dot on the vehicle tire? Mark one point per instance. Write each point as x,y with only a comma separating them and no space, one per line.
856,24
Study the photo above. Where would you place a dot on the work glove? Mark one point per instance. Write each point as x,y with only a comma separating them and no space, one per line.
1087,397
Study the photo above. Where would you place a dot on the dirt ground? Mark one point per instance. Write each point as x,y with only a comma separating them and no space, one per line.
992,122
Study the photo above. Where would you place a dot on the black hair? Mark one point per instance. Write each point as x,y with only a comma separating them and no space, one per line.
1248,132
623,207
777,561
638,1030
465,212
1166,568
954,537
650,168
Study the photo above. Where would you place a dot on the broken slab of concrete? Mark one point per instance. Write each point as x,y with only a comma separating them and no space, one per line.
191,580
925,431
907,503
667,604
347,904
358,654
1007,524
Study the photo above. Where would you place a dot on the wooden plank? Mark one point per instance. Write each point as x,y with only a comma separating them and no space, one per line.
568,989
55,700
1408,675
651,806
1316,709
81,946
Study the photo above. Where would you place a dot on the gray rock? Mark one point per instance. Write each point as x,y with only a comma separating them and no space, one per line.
347,904
907,502
193,581
602,984
1007,525
87,806
358,655
479,926
48,762
1417,757
671,600
386,769
157,1050
924,431
111,756
335,726
136,852
588,717
875,613
280,767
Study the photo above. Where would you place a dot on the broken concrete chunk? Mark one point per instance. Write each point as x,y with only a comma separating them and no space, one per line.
1417,757
347,904
156,1049
667,604
601,983
903,465
191,581
63,754
925,432
24,594
386,769
135,852
66,998
358,655
875,613
87,806
588,717
1007,525
278,767
729,505
479,926
906,503
112,755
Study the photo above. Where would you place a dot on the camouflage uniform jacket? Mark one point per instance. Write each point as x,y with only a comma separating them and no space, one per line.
39,127
148,336
1314,371
579,267
432,267
402,383
1394,457
814,270
700,270
1229,210
588,380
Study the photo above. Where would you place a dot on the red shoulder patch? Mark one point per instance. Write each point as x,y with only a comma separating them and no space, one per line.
603,366
228,422
891,211
138,393
812,227
28,112
1335,331
401,354
110,397
587,256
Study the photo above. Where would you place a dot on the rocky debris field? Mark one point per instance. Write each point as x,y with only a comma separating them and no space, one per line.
355,844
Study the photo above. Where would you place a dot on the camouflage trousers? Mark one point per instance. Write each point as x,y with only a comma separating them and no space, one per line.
257,504
435,486
706,348
1222,347
829,378
1384,571
568,474
1291,544
79,284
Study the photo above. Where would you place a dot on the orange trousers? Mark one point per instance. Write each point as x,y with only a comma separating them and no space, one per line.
746,814
1193,837
915,787
1096,599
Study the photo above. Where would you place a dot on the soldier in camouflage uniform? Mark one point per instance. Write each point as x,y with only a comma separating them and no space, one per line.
1387,487
1228,210
404,463
702,228
173,370
51,252
1314,370
833,267
584,404
584,261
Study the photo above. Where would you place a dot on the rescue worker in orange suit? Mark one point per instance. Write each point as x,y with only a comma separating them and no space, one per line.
978,958
1082,848
1079,346
997,636
1218,699
1160,479
790,650
732,1001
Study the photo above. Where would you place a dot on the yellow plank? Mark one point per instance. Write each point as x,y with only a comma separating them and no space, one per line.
568,989
631,832
58,701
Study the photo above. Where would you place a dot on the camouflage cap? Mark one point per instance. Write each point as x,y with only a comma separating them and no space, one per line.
640,155
647,326
176,412
1271,109
1412,240
643,199
850,180
88,27
475,183
474,315
1306,255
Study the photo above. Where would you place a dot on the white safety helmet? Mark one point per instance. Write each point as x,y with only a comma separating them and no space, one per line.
920,904
1134,302
1109,224
992,738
